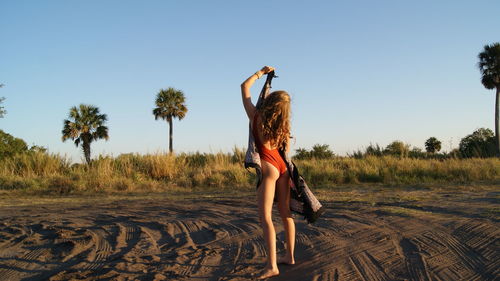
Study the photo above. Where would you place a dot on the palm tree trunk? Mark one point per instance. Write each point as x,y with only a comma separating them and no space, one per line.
86,151
170,143
497,120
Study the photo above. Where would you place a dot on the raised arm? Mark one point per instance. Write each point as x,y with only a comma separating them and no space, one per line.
245,90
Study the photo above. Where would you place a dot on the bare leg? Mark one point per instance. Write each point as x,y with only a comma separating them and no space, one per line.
265,194
286,216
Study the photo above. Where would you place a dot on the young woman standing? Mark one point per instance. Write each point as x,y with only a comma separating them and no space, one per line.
271,130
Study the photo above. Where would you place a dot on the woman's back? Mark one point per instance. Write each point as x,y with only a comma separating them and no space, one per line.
256,124
266,151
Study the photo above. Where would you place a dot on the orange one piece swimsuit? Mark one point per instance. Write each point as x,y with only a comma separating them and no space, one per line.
272,156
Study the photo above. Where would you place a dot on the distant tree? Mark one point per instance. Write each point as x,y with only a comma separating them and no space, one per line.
432,145
318,151
416,152
321,151
85,125
371,150
37,148
374,150
357,154
481,143
301,154
397,148
10,145
2,109
489,65
170,104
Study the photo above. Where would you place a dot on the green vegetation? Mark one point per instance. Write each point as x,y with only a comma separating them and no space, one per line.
40,172
432,145
170,104
391,170
489,65
397,148
33,170
318,151
85,125
481,143
10,146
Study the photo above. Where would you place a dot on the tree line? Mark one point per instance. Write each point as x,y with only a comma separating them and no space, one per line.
479,144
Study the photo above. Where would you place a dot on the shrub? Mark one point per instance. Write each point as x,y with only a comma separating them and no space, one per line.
416,153
481,143
397,148
374,150
10,145
318,151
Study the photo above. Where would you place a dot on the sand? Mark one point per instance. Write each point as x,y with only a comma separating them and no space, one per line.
220,239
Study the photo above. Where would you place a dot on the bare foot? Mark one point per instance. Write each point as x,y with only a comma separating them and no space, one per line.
286,260
269,272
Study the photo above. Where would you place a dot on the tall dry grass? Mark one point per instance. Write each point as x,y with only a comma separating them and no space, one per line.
51,173
397,170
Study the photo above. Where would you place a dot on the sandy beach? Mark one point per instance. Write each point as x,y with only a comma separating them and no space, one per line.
220,239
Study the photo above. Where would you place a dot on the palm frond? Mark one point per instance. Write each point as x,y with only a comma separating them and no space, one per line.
85,123
100,133
489,65
170,103
77,141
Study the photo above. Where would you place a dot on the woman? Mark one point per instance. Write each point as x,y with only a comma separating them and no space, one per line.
271,130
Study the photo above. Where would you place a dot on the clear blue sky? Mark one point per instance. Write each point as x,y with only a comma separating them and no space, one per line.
359,72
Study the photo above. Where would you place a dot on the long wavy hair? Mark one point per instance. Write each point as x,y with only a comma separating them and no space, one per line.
275,115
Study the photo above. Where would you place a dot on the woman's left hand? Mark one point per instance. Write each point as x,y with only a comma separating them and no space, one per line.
266,69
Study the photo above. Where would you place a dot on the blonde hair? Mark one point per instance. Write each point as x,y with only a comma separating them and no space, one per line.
275,115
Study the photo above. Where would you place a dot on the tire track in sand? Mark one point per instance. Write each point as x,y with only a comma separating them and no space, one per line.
128,236
101,251
368,267
415,265
14,268
349,244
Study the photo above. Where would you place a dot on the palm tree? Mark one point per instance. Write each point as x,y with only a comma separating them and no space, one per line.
489,65
432,145
170,103
84,126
